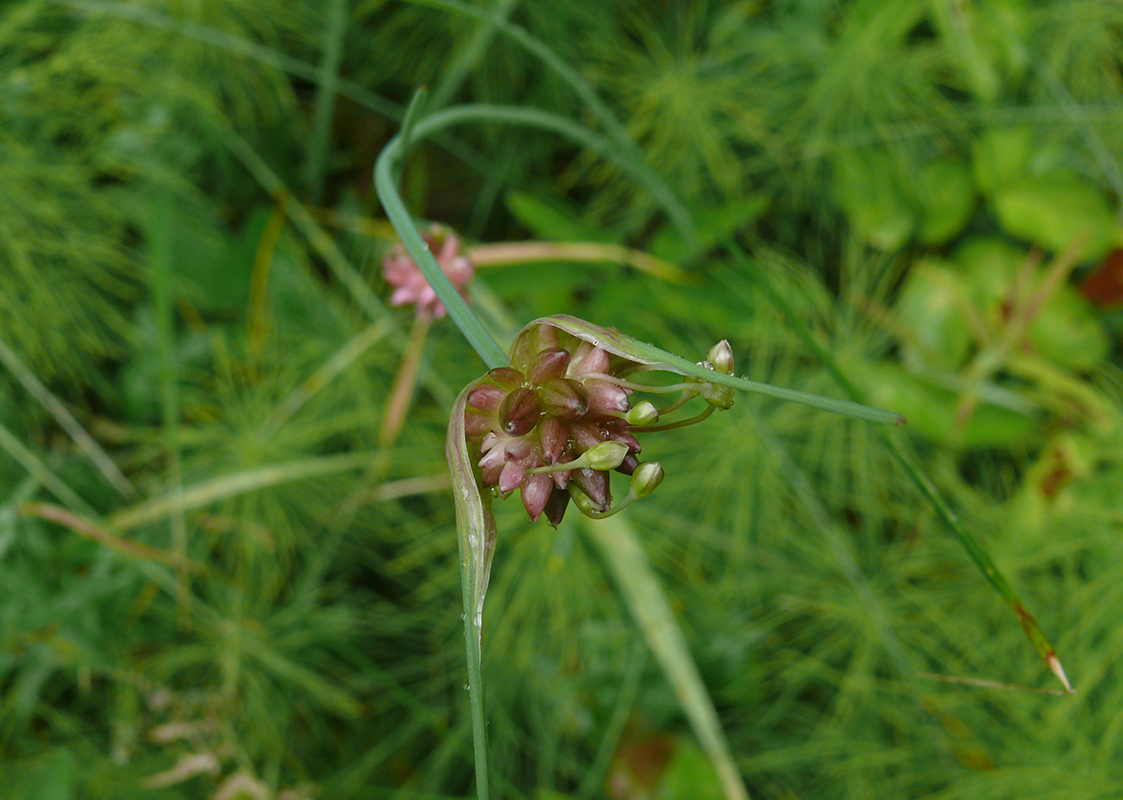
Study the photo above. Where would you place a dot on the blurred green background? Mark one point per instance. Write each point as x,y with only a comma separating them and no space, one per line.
222,573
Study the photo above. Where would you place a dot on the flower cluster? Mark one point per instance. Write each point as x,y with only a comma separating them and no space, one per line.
560,418
410,286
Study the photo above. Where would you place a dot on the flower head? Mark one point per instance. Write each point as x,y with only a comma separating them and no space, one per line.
410,286
540,425
560,418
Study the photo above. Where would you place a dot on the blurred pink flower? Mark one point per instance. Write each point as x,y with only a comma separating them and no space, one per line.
410,286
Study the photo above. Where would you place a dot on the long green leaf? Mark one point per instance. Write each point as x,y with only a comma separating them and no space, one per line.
475,538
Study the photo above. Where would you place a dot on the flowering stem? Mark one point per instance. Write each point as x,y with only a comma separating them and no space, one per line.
501,253
406,380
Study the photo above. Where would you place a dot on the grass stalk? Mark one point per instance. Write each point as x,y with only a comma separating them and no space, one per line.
57,409
160,284
327,86
401,393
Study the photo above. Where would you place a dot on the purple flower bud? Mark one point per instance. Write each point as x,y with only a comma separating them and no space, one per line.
595,486
587,359
519,412
486,397
513,474
553,437
565,400
506,377
605,397
556,506
548,365
535,494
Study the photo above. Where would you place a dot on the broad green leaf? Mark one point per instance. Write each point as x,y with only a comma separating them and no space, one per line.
1055,212
1068,331
864,185
1000,156
930,310
931,409
946,198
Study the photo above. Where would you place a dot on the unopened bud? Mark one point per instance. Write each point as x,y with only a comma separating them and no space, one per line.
646,478
585,504
721,397
519,412
642,415
720,357
605,455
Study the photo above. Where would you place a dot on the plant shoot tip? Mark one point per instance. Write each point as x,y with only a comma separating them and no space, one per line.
1054,664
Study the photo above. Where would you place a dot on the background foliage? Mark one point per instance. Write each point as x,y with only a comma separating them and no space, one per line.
238,588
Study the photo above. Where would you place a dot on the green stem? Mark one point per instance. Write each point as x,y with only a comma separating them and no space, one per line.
472,645
327,86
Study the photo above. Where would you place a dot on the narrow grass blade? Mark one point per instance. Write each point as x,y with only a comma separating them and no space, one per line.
91,530
327,85
624,148
235,44
329,370
237,483
160,247
463,62
55,407
42,473
644,595
339,265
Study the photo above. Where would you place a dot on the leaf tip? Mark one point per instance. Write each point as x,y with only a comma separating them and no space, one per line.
1054,664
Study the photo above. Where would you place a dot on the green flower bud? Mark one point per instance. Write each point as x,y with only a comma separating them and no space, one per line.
585,504
646,477
606,455
720,357
642,415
